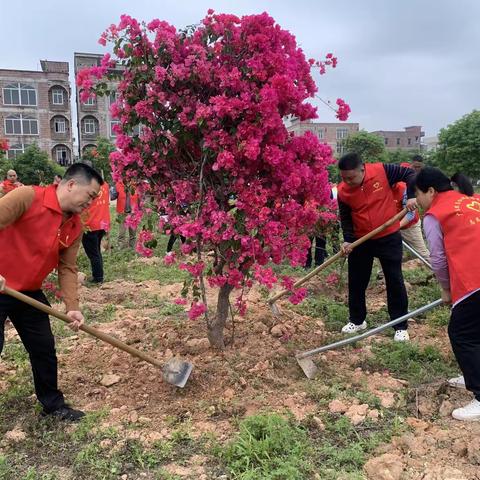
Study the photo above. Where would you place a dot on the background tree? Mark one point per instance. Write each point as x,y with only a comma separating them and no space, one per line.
459,146
401,156
211,100
369,146
34,167
100,157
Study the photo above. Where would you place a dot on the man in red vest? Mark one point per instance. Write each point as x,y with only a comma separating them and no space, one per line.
452,229
10,183
96,222
127,203
366,201
40,230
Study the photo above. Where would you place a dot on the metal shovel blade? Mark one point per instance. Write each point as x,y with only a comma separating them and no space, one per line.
275,309
177,371
309,368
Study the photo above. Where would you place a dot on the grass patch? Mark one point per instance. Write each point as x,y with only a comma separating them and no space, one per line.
410,362
268,447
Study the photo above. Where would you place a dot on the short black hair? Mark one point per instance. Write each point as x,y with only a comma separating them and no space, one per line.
432,177
350,161
417,158
463,183
83,171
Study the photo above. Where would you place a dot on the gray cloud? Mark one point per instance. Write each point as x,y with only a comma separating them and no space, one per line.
400,63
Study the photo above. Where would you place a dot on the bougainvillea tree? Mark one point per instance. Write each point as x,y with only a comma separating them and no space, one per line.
212,144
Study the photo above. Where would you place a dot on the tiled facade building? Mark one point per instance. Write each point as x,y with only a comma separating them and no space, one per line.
409,139
35,108
331,133
93,116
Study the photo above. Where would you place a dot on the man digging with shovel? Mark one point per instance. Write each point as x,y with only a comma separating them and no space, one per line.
40,230
366,200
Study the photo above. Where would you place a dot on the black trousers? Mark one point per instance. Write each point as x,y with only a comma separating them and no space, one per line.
464,333
33,327
320,251
171,241
91,242
389,251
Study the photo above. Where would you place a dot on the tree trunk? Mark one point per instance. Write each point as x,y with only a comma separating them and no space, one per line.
217,325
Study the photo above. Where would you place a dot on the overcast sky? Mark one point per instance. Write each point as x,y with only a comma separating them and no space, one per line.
401,63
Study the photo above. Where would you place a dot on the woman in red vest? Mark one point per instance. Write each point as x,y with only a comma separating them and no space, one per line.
366,201
96,221
40,230
452,229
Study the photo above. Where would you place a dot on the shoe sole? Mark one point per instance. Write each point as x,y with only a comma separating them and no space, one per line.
472,419
460,386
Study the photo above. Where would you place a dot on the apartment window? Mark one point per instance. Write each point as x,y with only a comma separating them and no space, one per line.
91,101
416,139
398,141
57,96
113,133
59,125
61,154
409,141
21,125
342,133
15,150
320,134
386,141
19,94
89,126
340,149
113,97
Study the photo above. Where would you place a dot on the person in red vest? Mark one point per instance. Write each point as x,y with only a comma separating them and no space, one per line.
452,229
410,224
40,230
127,202
96,221
10,183
366,201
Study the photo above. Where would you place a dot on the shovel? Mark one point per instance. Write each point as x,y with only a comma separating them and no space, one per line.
175,371
271,301
310,369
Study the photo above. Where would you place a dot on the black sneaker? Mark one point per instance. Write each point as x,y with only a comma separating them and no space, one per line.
65,413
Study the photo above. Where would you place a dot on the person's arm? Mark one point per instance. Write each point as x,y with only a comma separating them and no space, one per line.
346,221
14,205
67,275
436,245
410,215
395,173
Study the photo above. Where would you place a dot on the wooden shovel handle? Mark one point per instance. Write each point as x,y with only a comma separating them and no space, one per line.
85,328
338,255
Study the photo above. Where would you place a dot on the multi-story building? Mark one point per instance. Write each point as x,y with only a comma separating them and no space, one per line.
409,139
333,134
35,108
93,116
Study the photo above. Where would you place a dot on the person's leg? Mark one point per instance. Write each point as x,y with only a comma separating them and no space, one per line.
171,242
98,272
360,263
33,327
414,237
91,246
132,233
389,251
464,333
308,262
122,231
320,250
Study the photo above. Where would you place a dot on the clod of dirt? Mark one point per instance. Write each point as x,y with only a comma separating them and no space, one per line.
336,406
15,436
109,380
473,451
441,472
357,413
386,467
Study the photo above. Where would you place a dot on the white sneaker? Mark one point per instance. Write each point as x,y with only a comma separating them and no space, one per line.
470,412
401,336
352,328
457,382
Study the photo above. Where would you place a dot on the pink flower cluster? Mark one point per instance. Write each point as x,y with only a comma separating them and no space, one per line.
209,103
343,110
144,237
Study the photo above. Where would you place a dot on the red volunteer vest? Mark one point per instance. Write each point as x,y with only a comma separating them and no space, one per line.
398,191
8,186
372,203
97,216
122,198
459,217
30,247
